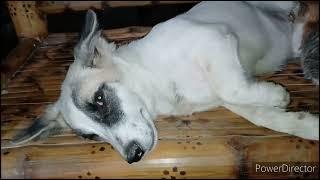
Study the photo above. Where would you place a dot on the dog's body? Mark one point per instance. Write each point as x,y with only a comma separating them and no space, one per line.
206,45
196,61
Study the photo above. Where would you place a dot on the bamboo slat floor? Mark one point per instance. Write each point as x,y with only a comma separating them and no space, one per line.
211,144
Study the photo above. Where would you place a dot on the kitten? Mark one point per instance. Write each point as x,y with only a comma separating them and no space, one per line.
310,57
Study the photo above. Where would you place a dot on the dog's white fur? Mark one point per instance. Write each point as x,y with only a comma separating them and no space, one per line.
201,59
205,55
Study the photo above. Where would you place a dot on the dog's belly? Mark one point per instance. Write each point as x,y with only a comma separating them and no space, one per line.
179,49
191,90
192,83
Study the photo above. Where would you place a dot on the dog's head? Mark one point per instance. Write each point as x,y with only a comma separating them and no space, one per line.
94,101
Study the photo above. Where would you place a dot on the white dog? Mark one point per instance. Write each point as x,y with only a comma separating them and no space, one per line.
204,58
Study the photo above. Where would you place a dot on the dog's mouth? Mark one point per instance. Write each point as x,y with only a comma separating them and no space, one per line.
130,152
152,127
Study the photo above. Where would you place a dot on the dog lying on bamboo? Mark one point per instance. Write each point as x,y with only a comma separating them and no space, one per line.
204,58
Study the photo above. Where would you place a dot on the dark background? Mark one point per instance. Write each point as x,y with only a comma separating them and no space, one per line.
72,21
8,39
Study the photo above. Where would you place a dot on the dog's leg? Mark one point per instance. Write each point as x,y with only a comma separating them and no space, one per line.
300,124
229,81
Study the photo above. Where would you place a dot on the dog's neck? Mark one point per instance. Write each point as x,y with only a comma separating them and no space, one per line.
155,90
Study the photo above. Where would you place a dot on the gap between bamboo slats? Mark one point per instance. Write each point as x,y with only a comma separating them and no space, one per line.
53,7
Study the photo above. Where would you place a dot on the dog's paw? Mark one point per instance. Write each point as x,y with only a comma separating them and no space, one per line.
284,98
279,96
308,128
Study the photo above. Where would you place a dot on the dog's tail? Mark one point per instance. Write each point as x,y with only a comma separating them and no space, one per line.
300,124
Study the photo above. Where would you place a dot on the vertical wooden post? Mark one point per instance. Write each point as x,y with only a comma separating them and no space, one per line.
29,22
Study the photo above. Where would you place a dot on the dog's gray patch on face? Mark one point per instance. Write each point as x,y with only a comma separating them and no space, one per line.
104,107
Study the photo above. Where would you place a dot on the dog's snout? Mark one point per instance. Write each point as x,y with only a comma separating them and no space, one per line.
134,152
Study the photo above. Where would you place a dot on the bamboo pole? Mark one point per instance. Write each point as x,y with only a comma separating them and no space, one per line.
28,21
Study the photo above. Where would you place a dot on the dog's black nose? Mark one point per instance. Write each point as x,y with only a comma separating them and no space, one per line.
134,152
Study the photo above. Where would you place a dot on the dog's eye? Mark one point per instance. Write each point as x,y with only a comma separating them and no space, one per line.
99,99
100,105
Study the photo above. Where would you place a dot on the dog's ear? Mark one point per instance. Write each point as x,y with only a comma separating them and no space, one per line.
85,51
47,124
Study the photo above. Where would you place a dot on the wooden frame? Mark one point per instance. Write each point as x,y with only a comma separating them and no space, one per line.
28,21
